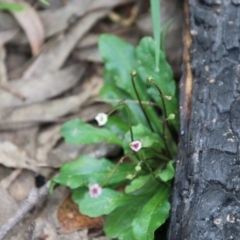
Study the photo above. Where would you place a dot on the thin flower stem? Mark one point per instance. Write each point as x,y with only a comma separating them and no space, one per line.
113,110
147,103
114,169
165,159
122,103
140,103
149,168
165,121
129,118
163,101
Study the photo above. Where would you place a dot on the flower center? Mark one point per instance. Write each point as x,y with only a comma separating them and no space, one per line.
136,145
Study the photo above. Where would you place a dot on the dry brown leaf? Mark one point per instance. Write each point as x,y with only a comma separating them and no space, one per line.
16,62
48,111
8,205
3,68
43,87
90,54
20,188
96,4
14,157
93,84
8,22
7,35
56,51
56,21
4,173
65,152
88,113
47,139
89,40
23,138
71,219
60,19
47,223
31,24
7,181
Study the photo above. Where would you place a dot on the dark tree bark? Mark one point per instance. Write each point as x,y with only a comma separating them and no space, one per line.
206,194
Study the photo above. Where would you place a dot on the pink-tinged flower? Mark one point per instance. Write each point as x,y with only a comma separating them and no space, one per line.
136,146
95,190
101,118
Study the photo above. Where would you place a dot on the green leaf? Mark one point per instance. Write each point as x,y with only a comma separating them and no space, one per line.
117,77
78,132
45,2
87,170
137,183
145,53
117,125
171,105
168,173
153,214
119,59
51,186
119,222
145,136
110,92
78,194
11,7
103,204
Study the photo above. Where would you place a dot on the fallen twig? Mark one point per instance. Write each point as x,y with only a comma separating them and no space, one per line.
33,198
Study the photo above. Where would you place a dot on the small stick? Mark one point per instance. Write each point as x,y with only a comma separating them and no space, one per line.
33,198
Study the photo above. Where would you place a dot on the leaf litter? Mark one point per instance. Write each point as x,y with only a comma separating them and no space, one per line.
50,72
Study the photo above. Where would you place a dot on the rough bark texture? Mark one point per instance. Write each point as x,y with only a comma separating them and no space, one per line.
206,195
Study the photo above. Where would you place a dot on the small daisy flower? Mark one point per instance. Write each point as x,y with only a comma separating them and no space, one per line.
136,146
95,190
101,118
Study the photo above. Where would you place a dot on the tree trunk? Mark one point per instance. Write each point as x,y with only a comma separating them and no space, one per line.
206,194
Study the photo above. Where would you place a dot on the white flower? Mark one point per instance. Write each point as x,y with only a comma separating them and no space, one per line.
136,146
95,190
101,118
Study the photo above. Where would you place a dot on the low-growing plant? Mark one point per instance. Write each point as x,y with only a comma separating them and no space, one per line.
133,192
